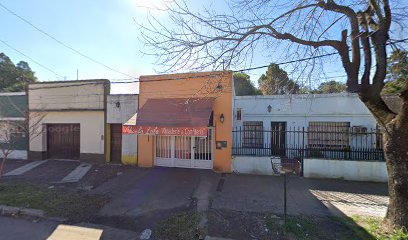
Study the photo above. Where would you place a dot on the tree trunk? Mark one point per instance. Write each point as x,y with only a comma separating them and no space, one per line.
3,162
396,155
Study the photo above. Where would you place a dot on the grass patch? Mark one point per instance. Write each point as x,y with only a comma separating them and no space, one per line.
180,227
59,202
296,227
302,227
373,226
357,227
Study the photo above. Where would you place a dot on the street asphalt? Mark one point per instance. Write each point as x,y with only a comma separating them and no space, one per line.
141,197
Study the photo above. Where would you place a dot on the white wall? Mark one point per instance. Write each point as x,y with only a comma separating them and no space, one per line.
68,95
299,110
129,149
16,154
128,105
253,165
372,171
125,113
91,124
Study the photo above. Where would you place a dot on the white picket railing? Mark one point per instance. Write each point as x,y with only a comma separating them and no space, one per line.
185,151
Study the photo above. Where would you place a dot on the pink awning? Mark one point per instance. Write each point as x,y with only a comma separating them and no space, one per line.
173,116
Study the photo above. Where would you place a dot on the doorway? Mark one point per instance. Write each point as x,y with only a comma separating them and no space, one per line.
185,151
63,141
116,143
278,138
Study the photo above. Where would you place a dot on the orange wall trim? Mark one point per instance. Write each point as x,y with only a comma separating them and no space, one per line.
195,85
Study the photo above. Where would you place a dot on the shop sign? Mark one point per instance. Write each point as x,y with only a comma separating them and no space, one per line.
169,131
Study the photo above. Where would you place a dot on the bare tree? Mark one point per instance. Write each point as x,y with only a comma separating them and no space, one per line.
358,32
7,138
12,131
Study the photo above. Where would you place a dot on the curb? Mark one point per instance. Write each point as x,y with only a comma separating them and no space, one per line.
216,238
27,212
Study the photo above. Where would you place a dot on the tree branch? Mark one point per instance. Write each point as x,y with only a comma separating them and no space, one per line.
287,36
365,42
387,12
352,74
374,5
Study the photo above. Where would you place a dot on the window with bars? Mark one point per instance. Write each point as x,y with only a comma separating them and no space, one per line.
253,134
328,135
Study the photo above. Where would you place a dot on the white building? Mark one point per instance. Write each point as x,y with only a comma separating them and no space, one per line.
122,110
71,117
300,110
330,135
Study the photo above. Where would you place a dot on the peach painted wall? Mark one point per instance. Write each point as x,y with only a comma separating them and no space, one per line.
203,84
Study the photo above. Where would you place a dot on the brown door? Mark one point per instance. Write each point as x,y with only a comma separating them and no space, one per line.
116,142
278,138
63,141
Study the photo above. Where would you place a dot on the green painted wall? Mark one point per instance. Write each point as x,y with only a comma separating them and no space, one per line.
19,142
13,106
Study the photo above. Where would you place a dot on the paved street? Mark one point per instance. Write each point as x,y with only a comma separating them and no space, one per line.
22,229
67,172
19,229
139,191
142,197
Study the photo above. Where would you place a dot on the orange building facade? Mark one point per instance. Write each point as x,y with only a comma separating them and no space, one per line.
185,120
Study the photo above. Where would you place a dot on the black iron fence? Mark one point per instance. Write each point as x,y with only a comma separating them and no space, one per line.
339,142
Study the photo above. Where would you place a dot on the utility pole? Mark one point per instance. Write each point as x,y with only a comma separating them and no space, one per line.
77,74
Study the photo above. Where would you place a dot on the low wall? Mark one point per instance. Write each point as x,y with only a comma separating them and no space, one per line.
253,165
372,171
16,154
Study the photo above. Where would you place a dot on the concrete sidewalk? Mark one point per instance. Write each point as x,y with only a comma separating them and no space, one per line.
140,191
143,197
78,173
317,197
23,169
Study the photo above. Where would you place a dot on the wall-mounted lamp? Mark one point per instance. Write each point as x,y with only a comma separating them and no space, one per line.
269,108
222,118
117,104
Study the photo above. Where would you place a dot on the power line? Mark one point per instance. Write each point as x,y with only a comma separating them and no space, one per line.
36,62
212,74
253,68
288,62
310,58
132,77
62,43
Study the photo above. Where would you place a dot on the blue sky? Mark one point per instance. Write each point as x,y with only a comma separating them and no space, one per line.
104,30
